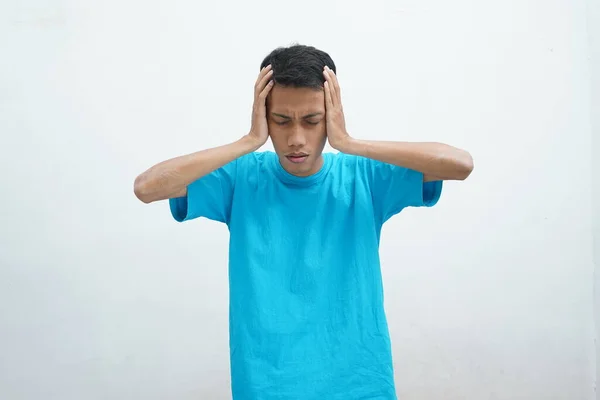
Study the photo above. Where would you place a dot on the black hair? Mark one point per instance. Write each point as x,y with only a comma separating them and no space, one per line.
299,66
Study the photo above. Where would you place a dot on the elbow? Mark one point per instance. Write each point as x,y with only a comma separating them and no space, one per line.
141,189
465,166
454,163
459,165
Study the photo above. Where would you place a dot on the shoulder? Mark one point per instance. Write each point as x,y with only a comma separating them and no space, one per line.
255,166
254,159
345,160
367,165
353,163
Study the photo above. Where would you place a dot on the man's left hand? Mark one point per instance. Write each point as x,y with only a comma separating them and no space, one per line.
336,125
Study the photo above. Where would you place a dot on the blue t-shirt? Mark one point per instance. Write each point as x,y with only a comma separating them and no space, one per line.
307,318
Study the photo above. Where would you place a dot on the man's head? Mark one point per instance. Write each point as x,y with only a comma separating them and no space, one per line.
296,107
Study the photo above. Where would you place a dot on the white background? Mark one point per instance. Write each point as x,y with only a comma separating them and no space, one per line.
593,23
489,294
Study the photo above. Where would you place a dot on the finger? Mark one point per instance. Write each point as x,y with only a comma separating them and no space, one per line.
265,92
264,71
262,74
336,85
329,81
328,97
262,83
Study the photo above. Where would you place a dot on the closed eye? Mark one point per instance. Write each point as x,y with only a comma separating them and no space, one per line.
287,121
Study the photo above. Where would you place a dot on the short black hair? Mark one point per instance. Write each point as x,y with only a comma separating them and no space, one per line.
299,66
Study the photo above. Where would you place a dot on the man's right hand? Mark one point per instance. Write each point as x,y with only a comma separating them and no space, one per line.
259,130
170,178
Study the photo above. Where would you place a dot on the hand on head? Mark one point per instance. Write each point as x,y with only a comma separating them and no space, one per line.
259,130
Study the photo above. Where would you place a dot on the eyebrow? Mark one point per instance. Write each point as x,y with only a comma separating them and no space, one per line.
304,117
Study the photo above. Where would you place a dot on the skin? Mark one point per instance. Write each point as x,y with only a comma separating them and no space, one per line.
299,122
297,126
436,161
170,179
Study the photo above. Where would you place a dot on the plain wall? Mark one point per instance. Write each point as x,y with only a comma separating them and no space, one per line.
489,294
593,24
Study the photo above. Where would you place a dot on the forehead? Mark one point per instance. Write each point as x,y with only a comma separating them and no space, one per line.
291,99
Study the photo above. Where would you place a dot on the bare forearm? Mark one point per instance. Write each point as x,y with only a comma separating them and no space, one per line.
170,178
432,159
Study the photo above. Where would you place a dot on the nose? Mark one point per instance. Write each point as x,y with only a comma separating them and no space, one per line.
297,138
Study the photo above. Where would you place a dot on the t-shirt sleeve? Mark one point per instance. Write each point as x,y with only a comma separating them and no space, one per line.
394,188
210,196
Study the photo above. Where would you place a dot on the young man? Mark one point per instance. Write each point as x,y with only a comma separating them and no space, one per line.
307,319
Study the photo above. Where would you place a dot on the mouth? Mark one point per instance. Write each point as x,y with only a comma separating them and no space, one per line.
297,158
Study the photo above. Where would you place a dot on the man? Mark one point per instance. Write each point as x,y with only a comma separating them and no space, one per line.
306,304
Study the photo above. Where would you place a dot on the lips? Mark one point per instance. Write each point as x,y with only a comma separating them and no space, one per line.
297,157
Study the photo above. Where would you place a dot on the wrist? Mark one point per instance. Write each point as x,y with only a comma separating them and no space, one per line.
348,145
251,142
